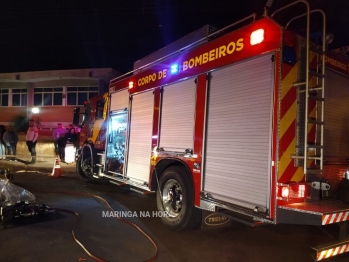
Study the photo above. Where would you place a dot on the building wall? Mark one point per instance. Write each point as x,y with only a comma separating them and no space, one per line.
24,86
8,113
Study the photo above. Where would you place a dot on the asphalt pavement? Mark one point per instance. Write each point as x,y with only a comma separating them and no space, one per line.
50,238
108,238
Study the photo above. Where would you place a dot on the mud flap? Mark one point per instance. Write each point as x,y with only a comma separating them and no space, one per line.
212,220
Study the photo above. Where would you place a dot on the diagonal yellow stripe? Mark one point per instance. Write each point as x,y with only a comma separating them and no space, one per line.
287,119
287,82
285,159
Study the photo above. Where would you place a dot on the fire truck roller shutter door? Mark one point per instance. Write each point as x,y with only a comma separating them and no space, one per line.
336,134
238,136
177,116
119,100
141,125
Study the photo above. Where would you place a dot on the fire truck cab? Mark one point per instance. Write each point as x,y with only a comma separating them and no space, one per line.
247,122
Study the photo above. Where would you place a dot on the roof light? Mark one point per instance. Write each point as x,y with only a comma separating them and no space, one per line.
257,37
174,69
130,84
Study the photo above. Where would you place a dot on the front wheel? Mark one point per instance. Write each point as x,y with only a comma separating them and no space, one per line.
175,196
84,168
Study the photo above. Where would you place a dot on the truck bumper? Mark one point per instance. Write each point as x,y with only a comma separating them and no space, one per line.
319,213
331,250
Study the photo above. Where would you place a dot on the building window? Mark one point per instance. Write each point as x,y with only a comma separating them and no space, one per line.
78,95
3,97
19,97
48,96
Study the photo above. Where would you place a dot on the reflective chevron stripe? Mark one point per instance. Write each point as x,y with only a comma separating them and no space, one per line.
332,252
335,218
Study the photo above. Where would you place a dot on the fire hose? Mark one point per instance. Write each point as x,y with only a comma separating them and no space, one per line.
108,205
116,216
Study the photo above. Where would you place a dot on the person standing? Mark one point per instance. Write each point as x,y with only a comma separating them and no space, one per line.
31,139
11,139
70,145
2,143
59,140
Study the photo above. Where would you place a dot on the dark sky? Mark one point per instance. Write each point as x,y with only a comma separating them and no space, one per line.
69,34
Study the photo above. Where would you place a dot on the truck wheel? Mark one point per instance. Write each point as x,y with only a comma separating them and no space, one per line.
84,168
175,195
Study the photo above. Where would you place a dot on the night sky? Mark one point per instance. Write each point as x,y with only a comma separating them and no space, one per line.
70,34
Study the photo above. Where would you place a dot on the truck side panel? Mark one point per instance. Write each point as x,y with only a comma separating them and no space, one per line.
239,134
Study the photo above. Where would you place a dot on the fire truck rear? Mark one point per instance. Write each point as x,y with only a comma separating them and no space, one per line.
234,123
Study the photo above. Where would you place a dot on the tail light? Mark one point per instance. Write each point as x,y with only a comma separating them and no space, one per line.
292,191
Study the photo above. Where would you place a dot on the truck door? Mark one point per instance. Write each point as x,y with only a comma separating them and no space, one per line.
237,166
117,133
178,116
139,146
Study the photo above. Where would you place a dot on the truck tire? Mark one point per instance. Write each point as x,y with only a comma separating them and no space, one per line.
175,195
84,168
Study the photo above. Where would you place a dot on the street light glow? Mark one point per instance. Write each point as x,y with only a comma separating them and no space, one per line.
35,110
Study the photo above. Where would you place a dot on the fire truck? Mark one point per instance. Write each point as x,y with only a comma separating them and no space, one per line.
249,122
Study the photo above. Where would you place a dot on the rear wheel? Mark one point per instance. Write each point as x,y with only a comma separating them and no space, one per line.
175,195
84,167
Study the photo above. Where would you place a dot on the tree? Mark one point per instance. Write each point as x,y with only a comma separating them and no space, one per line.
20,123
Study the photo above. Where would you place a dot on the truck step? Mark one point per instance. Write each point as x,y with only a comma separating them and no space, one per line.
316,50
308,157
316,74
247,220
313,120
315,146
314,171
317,98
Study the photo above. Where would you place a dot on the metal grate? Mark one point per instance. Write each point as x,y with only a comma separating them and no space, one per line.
301,96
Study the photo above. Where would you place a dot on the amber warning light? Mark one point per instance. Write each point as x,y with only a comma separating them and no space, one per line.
130,84
257,37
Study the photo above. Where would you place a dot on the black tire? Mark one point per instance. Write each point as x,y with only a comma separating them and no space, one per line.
84,168
177,198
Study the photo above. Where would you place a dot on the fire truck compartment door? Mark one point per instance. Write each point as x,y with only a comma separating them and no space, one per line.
119,100
177,116
336,138
238,135
139,146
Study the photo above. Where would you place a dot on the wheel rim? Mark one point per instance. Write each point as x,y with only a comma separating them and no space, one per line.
172,197
86,166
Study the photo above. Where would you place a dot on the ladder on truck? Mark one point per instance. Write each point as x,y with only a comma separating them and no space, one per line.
308,91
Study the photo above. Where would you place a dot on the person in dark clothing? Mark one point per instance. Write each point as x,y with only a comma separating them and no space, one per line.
70,148
2,143
11,139
71,137
59,137
31,139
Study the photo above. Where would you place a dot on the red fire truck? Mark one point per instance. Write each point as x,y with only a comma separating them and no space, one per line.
250,123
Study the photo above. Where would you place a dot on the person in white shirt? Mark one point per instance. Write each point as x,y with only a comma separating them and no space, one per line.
31,139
